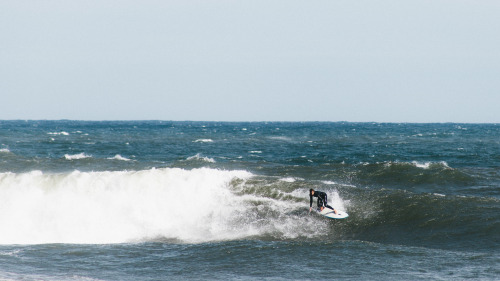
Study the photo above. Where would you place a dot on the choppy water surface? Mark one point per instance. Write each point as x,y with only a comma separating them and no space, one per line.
205,200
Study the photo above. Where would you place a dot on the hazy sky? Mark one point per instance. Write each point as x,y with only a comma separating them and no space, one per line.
219,60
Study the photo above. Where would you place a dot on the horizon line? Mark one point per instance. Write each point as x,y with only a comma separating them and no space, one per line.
230,121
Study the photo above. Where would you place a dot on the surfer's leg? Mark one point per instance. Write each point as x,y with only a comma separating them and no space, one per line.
320,204
330,207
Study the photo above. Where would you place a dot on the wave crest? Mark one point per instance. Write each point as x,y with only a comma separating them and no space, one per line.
201,158
119,157
76,156
412,174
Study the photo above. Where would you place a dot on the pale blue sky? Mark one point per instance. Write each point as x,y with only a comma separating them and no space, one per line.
383,61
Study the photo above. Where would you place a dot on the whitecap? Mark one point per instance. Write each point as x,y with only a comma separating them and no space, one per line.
202,158
203,140
12,253
289,179
281,138
445,164
59,133
425,165
119,157
76,156
329,182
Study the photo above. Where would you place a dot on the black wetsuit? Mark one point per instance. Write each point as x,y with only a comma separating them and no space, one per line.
322,199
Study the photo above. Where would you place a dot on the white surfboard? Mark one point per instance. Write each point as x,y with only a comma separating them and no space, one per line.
331,215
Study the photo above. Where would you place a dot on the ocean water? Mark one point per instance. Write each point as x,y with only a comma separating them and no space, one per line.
161,200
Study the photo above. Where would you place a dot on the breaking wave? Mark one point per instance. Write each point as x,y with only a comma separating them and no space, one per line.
206,204
196,205
76,156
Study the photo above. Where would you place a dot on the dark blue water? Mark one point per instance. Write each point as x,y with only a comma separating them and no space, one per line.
208,201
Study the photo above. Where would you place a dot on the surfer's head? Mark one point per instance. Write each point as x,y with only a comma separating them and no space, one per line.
311,192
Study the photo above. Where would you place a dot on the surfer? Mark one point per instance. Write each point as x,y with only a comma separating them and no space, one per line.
322,200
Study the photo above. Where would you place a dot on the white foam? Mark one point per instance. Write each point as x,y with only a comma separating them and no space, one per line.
427,165
59,133
329,182
11,253
76,156
336,201
204,140
445,164
202,158
4,150
119,157
115,207
289,179
281,138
